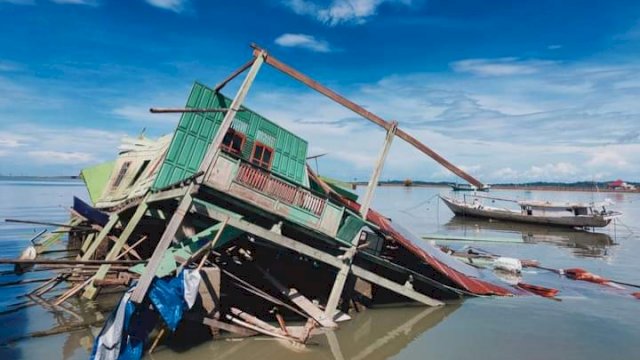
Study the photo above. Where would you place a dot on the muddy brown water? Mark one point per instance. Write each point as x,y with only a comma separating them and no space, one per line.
588,321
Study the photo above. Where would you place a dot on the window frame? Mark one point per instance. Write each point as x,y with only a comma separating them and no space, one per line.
261,162
229,148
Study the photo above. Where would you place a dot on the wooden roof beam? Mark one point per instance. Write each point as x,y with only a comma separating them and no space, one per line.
364,113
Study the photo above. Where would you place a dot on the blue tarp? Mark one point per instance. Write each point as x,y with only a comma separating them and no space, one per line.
166,298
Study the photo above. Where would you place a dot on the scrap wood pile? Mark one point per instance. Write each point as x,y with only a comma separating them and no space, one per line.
223,230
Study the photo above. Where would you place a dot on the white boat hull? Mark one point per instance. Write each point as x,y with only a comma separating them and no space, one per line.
463,209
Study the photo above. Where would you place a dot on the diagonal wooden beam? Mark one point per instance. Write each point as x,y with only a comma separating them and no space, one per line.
233,75
176,220
91,290
213,212
366,114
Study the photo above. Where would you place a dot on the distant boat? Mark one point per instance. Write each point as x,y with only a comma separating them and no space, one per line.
583,215
467,187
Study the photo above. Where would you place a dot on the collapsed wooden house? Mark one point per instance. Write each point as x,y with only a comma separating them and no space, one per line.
231,194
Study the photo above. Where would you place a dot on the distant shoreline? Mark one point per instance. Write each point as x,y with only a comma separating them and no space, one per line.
567,187
601,187
27,177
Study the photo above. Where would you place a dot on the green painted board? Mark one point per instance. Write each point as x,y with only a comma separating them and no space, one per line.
350,227
96,179
186,248
340,187
196,131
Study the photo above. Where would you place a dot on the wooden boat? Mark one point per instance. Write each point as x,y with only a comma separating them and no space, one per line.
582,215
467,187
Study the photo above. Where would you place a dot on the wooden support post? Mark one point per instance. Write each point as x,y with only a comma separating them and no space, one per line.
341,277
231,114
113,220
91,290
176,220
165,241
338,284
377,170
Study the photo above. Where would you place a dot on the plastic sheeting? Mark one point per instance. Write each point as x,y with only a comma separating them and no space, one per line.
128,327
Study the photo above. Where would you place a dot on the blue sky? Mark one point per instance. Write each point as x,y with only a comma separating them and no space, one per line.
509,90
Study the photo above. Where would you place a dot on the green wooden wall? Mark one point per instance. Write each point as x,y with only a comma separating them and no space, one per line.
195,131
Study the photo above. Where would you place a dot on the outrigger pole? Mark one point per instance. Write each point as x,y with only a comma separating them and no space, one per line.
387,125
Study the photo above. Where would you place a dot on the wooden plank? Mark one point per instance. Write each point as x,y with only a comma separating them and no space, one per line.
209,290
213,212
235,329
393,286
55,235
163,244
87,242
102,235
91,290
300,300
167,194
367,115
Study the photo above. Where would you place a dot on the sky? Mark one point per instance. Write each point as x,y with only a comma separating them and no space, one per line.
511,91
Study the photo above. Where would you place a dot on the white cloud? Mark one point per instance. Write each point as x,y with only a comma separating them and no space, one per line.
554,47
8,140
172,5
303,41
608,157
569,122
501,66
336,12
59,157
34,149
76,2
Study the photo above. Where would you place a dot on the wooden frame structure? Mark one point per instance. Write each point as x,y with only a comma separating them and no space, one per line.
192,197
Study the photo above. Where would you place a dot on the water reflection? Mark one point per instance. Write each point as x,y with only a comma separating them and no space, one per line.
582,243
371,334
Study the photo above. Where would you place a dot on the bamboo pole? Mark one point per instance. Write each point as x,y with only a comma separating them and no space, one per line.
186,110
70,262
34,222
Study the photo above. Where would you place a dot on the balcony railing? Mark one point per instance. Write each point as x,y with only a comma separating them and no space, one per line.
267,184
